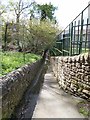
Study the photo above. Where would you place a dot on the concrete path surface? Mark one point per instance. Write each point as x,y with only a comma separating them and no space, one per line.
54,103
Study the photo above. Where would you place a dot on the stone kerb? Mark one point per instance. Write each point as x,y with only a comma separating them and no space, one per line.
14,85
73,74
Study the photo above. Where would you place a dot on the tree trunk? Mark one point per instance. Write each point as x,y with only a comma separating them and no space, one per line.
44,54
17,30
5,38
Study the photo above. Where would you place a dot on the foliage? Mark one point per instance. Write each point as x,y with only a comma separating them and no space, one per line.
19,8
2,9
13,60
42,35
47,11
84,108
84,111
27,32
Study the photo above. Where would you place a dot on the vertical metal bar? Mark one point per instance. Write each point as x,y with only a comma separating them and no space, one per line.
86,35
59,43
71,38
89,26
78,35
74,38
81,34
67,40
63,42
83,37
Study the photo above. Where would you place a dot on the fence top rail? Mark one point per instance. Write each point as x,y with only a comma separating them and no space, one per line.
75,18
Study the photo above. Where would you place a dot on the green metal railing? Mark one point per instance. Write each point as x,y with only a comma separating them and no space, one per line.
75,38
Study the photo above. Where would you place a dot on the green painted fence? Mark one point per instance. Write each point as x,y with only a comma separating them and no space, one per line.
75,38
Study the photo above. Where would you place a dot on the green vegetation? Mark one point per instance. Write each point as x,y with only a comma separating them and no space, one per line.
32,29
23,34
46,11
84,111
42,35
84,108
13,60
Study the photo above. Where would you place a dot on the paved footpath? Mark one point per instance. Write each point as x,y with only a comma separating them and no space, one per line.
54,103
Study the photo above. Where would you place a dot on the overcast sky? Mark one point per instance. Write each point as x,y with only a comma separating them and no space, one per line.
67,9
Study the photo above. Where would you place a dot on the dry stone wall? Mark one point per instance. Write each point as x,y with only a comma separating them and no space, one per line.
73,74
14,85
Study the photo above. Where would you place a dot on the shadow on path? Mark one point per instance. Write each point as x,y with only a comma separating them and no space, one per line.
54,102
28,102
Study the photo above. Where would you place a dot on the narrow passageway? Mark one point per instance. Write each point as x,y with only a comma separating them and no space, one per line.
54,102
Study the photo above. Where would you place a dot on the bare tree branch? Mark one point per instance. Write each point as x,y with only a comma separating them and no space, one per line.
27,6
2,12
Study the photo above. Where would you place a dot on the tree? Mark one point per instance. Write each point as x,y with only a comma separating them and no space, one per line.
46,11
5,39
19,7
40,36
31,35
2,9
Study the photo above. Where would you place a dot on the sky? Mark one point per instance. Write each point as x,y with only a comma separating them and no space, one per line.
67,9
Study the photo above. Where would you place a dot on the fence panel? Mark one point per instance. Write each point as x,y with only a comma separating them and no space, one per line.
75,38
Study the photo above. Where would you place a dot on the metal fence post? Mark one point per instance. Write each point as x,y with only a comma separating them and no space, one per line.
81,34
89,26
71,38
78,36
86,36
63,44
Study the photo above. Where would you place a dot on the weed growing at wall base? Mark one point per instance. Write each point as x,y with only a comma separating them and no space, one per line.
84,108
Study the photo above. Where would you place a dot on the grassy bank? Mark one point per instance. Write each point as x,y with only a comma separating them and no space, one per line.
13,60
